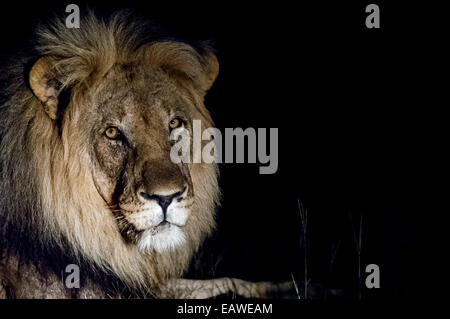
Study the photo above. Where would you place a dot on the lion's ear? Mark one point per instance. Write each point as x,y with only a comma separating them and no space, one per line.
180,59
211,70
45,86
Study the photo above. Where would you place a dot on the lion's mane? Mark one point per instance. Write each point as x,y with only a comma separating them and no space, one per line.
50,212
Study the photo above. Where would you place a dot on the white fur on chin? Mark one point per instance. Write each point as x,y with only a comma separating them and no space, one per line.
165,240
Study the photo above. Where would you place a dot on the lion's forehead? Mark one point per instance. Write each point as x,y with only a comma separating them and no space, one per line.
137,85
144,80
129,95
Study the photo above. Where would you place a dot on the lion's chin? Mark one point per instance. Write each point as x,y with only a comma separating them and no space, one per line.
164,238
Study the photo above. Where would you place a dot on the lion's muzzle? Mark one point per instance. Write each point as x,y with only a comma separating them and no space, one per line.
159,207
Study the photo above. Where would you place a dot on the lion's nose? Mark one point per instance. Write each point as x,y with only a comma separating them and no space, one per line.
163,200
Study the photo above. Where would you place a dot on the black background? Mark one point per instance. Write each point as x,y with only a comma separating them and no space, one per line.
362,132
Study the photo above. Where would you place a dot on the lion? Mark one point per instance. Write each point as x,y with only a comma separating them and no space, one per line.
86,176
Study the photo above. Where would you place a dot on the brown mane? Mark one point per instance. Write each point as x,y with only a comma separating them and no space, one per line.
49,207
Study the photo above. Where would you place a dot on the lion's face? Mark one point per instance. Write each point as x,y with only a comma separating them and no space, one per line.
122,119
129,119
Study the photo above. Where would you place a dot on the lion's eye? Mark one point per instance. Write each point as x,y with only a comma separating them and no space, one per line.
175,123
112,133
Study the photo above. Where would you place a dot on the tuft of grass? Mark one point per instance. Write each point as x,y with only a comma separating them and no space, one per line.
296,287
357,238
304,220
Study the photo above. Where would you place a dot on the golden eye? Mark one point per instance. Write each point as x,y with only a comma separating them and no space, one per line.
174,123
112,133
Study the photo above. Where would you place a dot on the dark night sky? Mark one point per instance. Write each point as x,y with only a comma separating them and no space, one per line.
361,132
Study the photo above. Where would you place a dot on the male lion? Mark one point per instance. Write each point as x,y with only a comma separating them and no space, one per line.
86,176
86,173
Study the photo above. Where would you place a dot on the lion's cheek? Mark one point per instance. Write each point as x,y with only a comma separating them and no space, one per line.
104,185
